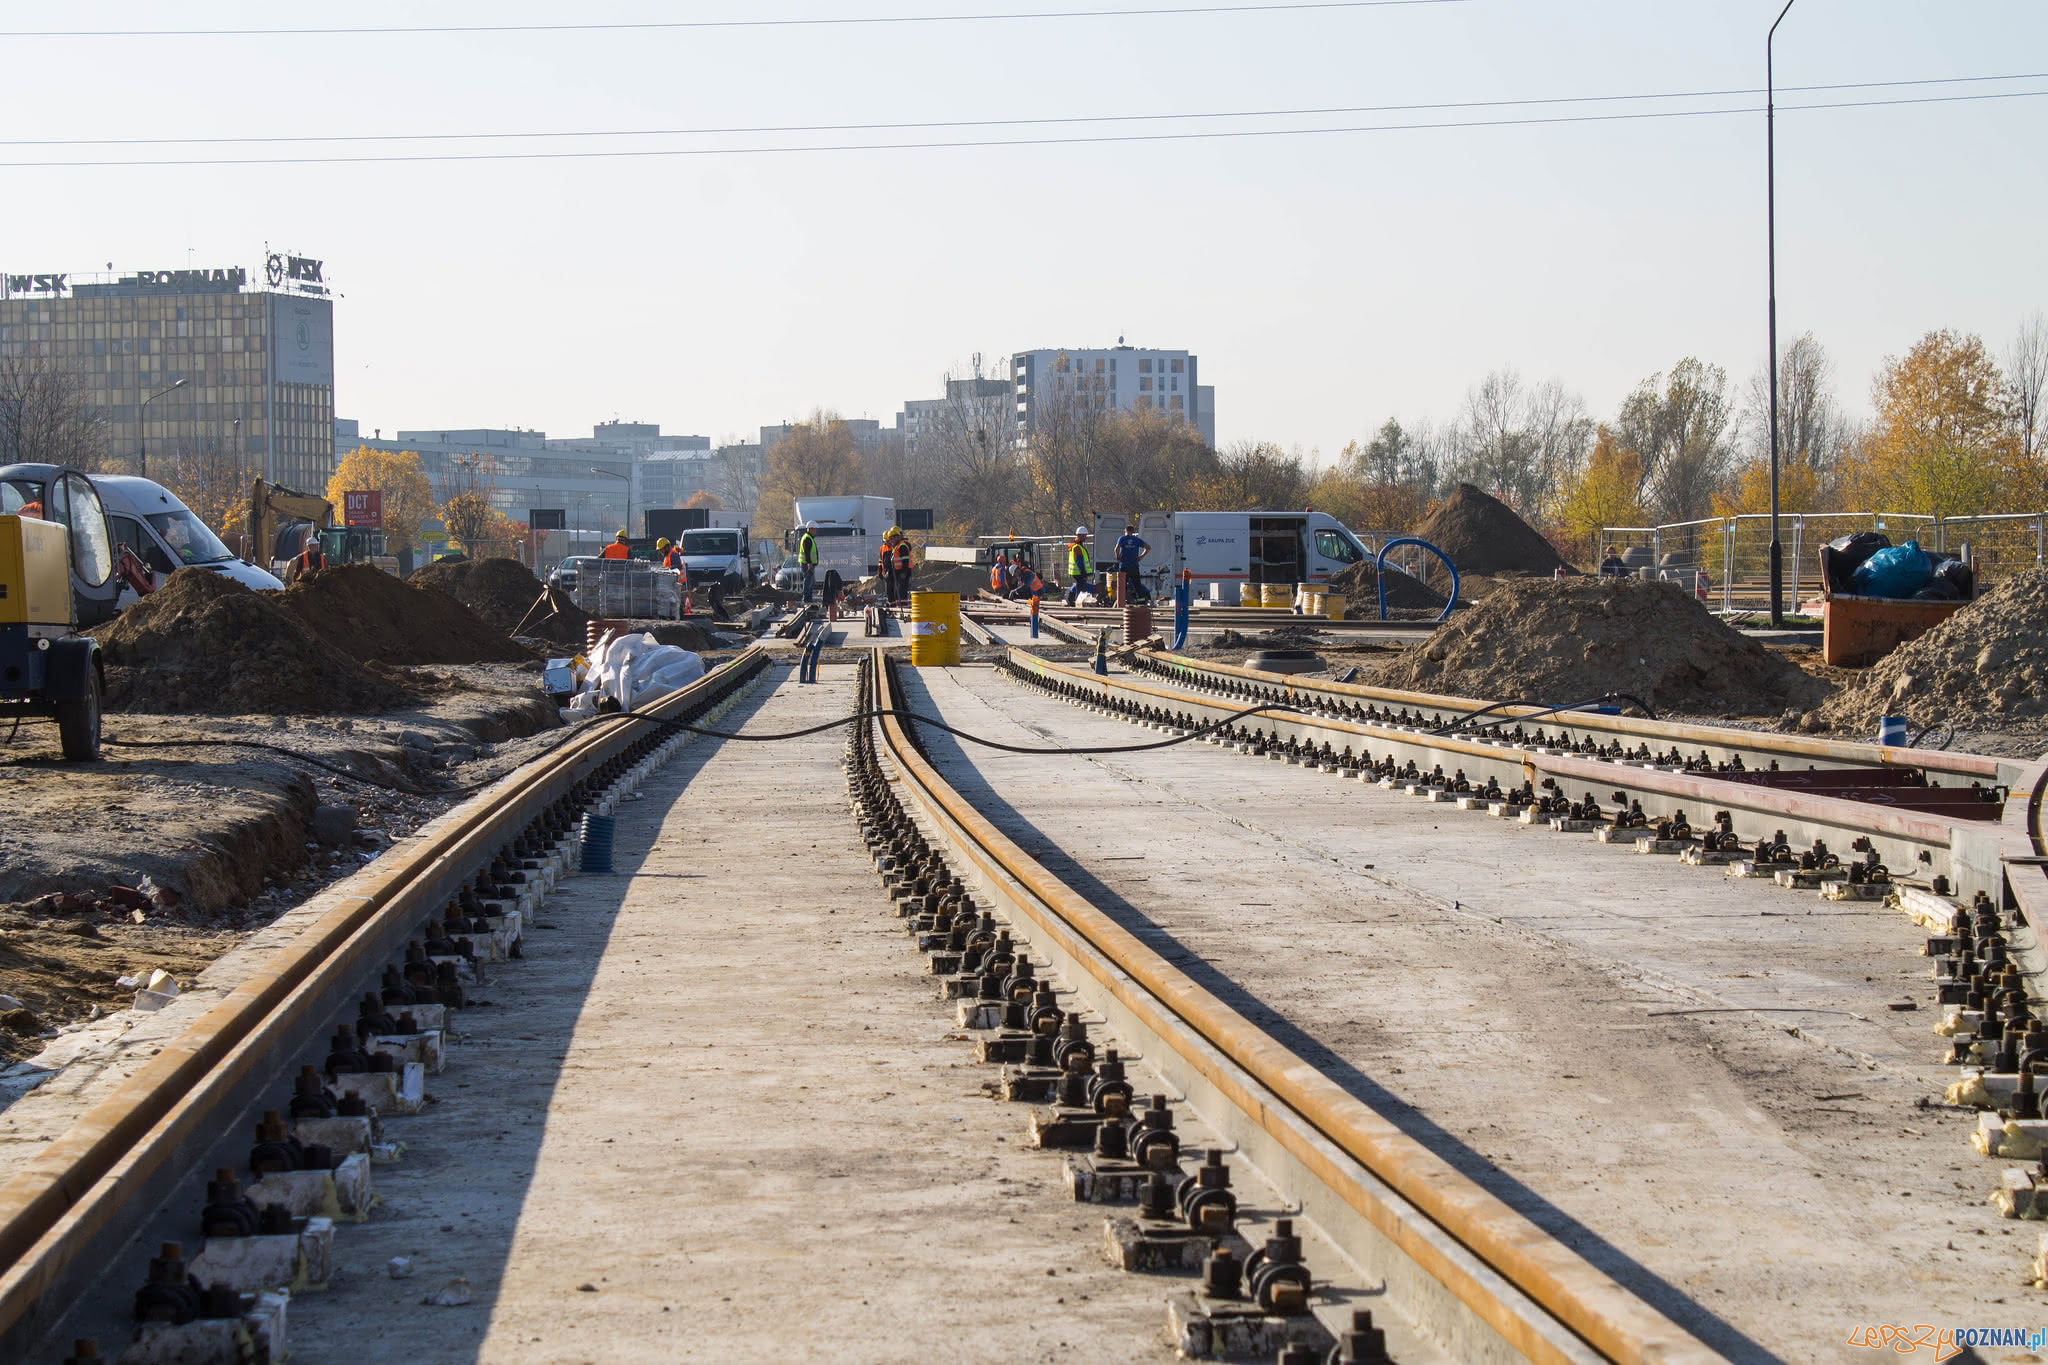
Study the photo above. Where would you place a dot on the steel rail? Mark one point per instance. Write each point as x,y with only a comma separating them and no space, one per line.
77,1186
1911,842
1753,745
1536,1295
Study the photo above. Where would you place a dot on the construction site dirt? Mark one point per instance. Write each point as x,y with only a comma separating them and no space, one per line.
162,856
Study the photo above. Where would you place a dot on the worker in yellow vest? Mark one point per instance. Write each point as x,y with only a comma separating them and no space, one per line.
1080,567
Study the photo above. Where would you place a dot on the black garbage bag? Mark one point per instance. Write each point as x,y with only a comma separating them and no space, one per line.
1939,590
1960,574
1840,556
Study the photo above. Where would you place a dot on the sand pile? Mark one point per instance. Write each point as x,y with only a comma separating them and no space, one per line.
1360,586
505,594
1546,641
1981,669
1482,535
204,643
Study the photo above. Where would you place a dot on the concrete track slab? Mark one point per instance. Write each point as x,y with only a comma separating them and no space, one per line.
718,1114
1696,1082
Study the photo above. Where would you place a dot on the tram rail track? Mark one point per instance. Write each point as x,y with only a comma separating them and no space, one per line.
70,1212
1468,1271
1666,767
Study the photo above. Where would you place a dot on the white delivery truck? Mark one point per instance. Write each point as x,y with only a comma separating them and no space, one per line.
1230,550
849,531
165,534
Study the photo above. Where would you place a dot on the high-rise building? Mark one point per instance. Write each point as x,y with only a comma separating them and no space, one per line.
1117,378
195,361
967,403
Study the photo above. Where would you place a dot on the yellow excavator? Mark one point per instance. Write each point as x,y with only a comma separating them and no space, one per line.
281,520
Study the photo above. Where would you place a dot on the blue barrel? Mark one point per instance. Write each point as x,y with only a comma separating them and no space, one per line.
597,842
1891,731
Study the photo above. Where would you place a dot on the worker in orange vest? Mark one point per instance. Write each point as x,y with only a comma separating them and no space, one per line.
902,593
617,549
999,574
308,560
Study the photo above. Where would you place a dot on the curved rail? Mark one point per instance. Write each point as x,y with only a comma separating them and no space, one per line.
1310,1116
77,1186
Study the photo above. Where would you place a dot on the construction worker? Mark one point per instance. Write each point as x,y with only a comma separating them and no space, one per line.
309,560
1025,584
1129,550
999,576
1080,567
668,554
807,558
1612,566
902,593
618,549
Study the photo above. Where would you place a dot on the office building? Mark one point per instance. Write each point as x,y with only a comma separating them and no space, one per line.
178,363
1118,378
969,404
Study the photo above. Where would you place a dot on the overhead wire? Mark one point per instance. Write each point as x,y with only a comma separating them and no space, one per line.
731,130
1224,134
804,21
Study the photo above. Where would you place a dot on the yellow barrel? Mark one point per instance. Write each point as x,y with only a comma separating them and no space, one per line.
1312,601
1279,595
934,629
1333,606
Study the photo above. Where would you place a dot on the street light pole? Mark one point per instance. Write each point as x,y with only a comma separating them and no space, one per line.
628,480
1771,266
144,410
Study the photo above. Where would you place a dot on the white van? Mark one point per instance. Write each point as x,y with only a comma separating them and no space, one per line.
1232,549
166,536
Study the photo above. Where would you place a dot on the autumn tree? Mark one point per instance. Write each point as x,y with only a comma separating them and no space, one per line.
705,498
1253,476
44,415
1799,489
1813,433
401,476
1678,424
966,462
1517,442
1943,441
468,517
209,478
1140,459
818,457
1607,491
1384,484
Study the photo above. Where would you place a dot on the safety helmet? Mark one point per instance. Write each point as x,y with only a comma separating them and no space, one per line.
1080,533
620,536
810,526
663,543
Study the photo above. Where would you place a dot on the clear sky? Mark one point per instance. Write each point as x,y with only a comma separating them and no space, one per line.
1326,281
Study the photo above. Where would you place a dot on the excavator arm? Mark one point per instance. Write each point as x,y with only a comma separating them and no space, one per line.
271,503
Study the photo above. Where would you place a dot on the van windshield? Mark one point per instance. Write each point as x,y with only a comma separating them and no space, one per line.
189,538
711,542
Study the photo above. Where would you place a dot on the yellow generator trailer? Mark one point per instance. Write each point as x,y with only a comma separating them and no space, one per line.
56,579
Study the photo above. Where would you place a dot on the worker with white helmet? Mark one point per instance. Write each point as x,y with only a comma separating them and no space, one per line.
807,558
1080,567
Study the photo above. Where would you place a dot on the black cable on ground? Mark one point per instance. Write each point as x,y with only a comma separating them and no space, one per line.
1547,710
668,724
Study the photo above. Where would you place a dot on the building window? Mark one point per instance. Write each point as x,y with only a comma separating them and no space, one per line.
1145,384
1179,365
1145,366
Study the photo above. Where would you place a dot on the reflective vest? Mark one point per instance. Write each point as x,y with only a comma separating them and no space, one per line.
311,558
674,558
617,550
903,553
807,549
998,576
1078,565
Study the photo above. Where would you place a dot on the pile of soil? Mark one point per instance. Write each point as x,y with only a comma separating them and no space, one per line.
1561,642
204,643
505,593
1360,586
1981,669
1482,535
377,618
